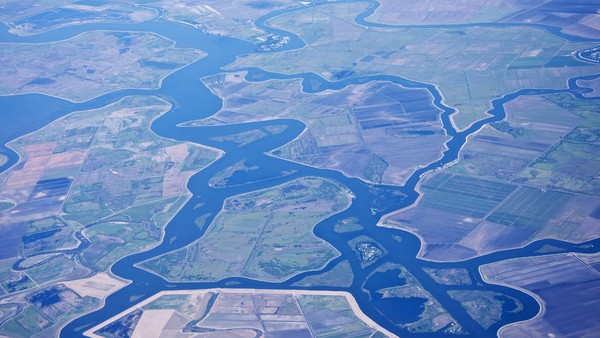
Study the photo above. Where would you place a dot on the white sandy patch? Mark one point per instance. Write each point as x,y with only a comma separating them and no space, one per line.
178,153
98,286
152,323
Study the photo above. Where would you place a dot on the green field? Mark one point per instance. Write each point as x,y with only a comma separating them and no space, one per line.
486,307
265,235
471,66
81,62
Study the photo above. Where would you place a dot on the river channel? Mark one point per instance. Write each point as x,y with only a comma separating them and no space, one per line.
192,100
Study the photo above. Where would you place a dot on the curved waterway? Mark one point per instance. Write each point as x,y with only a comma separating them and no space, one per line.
192,100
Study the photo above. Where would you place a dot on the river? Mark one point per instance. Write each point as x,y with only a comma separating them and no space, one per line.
192,100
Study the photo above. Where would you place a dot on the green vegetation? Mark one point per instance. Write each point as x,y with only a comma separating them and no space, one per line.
31,18
340,276
367,250
48,235
265,235
79,67
174,302
131,231
484,306
433,318
20,284
457,276
102,173
56,269
355,129
347,225
446,11
471,65
338,321
49,309
572,163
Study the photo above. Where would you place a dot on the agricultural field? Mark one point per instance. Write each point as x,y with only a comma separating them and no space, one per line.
470,65
490,216
529,177
565,283
355,129
572,164
404,12
265,235
90,188
83,67
243,313
503,149
582,16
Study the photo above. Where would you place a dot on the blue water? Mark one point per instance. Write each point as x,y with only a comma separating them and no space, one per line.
192,100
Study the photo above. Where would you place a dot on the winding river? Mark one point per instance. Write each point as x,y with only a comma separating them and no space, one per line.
192,100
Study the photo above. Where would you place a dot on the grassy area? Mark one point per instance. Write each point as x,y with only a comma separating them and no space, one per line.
529,208
230,18
340,276
57,68
445,11
347,225
265,235
485,307
571,164
394,281
471,66
355,129
337,311
33,18
367,250
457,276
103,169
49,309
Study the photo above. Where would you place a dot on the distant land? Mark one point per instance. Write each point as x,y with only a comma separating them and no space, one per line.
355,168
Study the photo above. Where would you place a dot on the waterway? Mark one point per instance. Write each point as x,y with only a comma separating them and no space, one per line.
192,100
